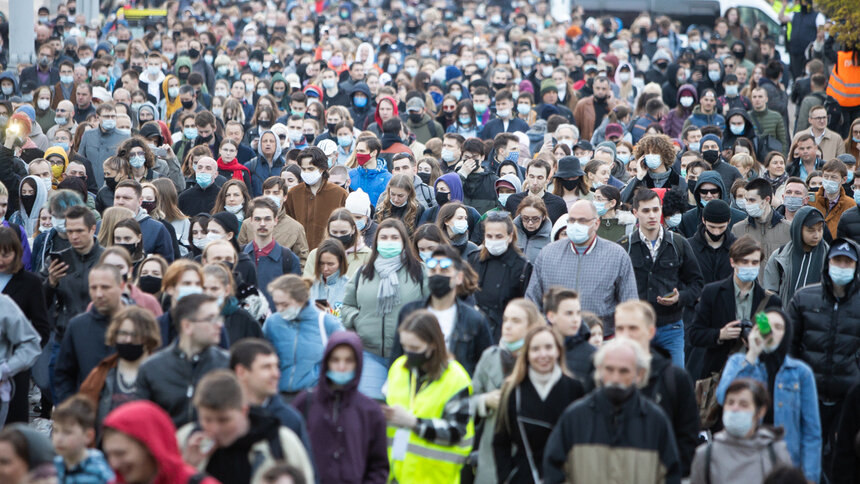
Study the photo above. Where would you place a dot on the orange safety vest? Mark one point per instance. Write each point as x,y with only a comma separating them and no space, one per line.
844,83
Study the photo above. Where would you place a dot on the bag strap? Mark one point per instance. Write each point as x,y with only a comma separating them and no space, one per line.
323,335
756,123
708,461
763,303
772,452
526,445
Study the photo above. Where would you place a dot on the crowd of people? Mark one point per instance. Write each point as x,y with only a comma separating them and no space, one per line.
381,241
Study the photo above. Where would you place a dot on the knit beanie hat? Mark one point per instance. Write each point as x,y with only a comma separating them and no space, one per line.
228,221
717,212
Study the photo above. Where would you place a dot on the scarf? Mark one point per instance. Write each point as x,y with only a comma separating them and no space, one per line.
543,383
234,166
389,284
659,179
775,182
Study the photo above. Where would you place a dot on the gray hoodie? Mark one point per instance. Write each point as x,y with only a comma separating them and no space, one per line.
740,460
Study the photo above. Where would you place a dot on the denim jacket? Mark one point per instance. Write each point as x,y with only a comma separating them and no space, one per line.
795,403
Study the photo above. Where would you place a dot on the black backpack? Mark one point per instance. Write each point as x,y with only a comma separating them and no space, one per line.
835,120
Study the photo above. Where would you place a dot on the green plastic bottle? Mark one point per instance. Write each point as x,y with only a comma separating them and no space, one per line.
763,324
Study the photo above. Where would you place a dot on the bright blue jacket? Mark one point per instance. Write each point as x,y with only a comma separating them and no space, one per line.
795,403
300,346
373,182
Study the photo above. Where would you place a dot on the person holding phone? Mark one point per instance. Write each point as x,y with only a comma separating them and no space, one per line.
330,276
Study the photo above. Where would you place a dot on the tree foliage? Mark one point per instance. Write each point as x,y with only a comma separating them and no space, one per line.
846,20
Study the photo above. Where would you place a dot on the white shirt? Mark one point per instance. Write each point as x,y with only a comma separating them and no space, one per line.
447,318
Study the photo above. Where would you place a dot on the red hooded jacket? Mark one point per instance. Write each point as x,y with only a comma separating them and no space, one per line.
147,423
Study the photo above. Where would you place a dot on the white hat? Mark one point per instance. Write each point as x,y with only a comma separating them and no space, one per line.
328,147
358,203
102,94
293,80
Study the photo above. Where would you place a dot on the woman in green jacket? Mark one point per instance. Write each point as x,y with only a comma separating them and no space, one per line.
392,277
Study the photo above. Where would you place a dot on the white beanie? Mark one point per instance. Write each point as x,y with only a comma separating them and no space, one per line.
358,203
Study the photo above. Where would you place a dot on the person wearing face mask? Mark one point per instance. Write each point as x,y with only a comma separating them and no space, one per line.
399,201
427,406
792,384
676,76
363,107
763,223
533,398
335,408
716,152
466,329
673,121
732,99
723,305
505,121
591,110
218,282
392,277
315,197
812,311
98,144
418,121
745,449
655,155
585,430
297,323
711,242
134,332
831,199
594,267
500,266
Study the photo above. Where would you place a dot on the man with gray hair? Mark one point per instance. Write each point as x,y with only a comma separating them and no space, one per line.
642,451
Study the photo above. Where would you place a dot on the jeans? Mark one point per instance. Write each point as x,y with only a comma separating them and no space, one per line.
374,373
670,337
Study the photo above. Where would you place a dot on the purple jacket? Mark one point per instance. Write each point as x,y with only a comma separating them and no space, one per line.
347,429
673,121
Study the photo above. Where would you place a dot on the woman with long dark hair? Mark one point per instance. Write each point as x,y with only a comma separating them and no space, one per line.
399,201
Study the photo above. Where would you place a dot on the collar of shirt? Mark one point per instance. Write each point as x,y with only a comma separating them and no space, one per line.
739,293
587,249
653,245
263,251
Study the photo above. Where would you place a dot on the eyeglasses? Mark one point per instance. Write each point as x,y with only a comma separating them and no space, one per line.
440,263
580,221
497,216
819,118
709,191
531,220
210,320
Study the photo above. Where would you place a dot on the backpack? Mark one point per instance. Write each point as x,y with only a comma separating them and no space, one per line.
766,142
835,119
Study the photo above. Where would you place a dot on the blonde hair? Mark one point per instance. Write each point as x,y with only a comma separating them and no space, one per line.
742,160
295,287
110,218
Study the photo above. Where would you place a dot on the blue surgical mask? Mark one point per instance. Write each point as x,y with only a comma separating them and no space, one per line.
653,161
503,198
190,133
856,198
850,177
748,274
67,79
515,345
425,255
694,146
291,313
108,124
840,276
465,120
137,161
737,129
830,187
623,158
344,141
203,180
601,208
731,91
63,145
793,204
577,233
360,101
388,249
182,291
738,423
340,377
674,220
360,224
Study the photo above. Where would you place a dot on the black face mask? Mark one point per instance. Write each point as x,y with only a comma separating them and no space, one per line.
618,394
187,105
442,198
131,248
149,284
111,183
264,124
347,240
415,360
330,127
129,351
425,177
27,201
498,86
570,184
439,285
309,138
416,117
711,156
713,237
183,75
193,53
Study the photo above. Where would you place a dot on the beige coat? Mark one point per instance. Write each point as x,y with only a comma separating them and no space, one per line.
288,233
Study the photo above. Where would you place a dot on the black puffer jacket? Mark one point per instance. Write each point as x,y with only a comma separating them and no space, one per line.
578,354
828,331
501,279
849,225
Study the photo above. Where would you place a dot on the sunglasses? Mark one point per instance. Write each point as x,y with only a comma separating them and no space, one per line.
440,263
709,191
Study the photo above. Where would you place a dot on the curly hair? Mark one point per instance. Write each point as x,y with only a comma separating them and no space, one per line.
386,208
658,144
124,150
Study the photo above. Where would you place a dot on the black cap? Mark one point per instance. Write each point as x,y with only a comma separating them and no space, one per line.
228,221
813,218
717,212
730,78
584,145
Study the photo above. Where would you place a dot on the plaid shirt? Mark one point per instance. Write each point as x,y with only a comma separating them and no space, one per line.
94,469
451,427
603,276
